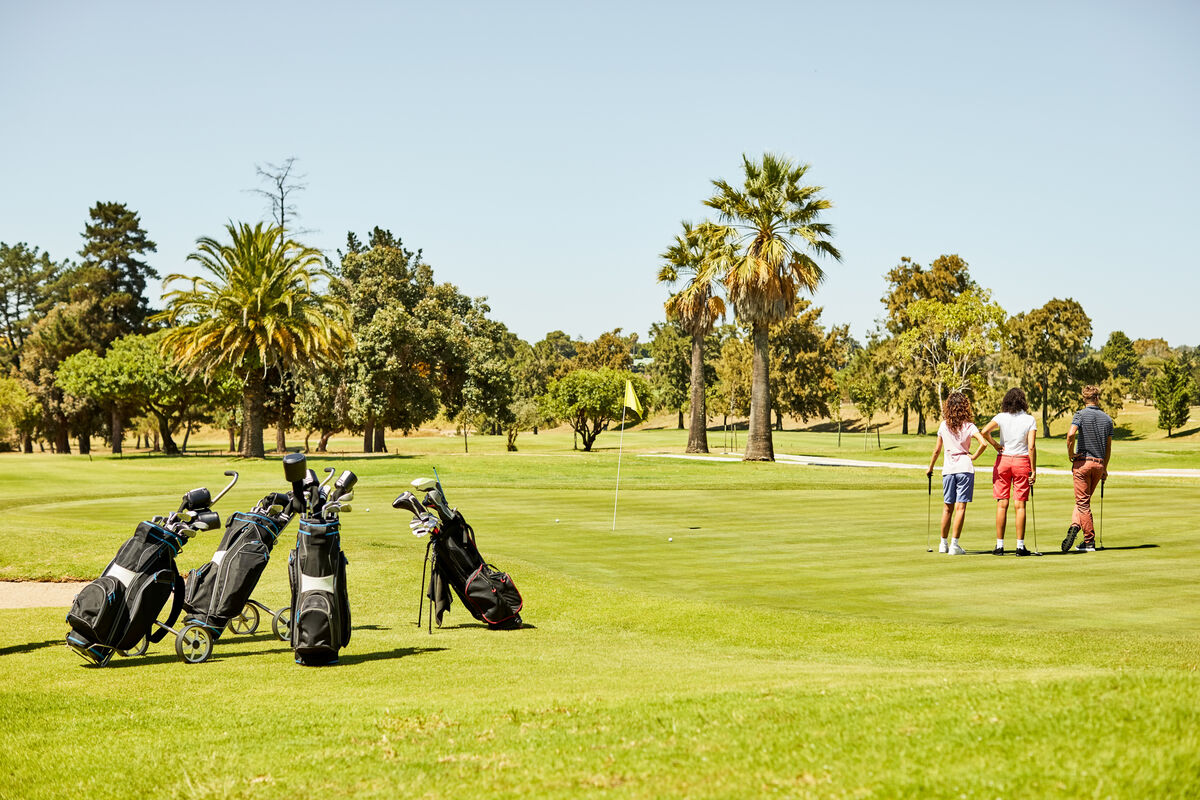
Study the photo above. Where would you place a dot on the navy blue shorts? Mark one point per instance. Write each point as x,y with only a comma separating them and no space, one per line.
958,487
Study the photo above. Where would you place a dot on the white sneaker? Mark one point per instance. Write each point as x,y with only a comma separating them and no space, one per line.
956,550
942,548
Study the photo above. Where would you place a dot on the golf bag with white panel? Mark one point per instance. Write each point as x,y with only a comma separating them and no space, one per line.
320,615
219,592
457,566
119,610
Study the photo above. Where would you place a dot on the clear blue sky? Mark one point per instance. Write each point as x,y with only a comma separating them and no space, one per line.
543,154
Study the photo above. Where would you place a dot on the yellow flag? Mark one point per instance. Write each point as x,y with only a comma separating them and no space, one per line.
631,401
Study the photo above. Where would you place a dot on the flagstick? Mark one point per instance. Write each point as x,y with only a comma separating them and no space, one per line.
620,449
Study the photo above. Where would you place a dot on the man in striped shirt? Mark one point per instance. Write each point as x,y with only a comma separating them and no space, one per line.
1091,429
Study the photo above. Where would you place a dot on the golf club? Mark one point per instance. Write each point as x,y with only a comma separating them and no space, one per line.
1033,516
343,485
928,512
294,472
1101,542
409,502
329,473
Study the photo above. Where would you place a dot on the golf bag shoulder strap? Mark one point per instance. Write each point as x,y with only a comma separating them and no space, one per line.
176,607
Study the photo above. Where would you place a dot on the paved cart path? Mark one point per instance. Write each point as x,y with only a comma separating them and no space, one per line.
822,461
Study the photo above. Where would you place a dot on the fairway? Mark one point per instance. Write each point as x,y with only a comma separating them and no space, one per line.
748,630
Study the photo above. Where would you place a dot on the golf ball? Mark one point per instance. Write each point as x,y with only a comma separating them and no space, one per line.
368,509
556,519
670,538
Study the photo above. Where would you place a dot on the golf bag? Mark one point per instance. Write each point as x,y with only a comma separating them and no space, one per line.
217,591
320,624
487,593
117,610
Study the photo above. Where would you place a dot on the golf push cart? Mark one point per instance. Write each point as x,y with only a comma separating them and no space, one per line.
119,610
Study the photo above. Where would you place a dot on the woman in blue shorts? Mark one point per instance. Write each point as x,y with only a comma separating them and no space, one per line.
958,471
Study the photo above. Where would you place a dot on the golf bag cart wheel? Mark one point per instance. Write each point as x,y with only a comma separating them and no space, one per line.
282,624
194,644
245,622
140,650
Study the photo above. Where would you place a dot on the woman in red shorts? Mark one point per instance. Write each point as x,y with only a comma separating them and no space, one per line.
1016,466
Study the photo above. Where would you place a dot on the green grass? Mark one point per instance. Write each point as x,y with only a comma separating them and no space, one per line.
794,640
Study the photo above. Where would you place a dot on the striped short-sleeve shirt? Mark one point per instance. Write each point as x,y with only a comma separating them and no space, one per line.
1095,429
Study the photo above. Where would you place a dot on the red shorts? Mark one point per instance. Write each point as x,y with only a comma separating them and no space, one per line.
1011,470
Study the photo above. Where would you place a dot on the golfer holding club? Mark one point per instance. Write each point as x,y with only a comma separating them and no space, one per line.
1015,469
1089,448
958,470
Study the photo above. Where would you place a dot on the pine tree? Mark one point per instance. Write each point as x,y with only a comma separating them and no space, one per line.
113,274
1173,395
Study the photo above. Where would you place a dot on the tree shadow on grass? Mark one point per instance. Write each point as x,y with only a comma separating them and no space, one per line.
30,647
1125,433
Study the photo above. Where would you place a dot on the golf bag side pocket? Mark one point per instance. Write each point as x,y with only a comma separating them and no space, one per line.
96,612
494,596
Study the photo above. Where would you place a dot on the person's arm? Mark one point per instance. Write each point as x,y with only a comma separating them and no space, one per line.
987,429
983,443
1030,442
1071,443
1107,456
937,451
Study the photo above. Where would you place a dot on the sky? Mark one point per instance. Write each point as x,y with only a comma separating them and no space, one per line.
543,154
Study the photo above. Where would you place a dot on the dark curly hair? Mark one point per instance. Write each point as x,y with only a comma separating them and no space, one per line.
1014,401
957,411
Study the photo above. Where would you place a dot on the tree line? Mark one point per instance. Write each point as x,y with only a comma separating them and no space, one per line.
273,333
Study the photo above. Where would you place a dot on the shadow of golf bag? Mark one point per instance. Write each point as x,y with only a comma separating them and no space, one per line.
487,593
218,591
119,610
320,603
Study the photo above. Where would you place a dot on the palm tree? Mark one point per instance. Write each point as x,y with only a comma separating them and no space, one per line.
697,308
259,310
771,224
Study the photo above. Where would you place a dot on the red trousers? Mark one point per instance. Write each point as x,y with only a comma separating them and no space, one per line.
1086,473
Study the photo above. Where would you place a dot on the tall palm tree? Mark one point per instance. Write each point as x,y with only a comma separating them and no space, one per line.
697,307
259,309
771,224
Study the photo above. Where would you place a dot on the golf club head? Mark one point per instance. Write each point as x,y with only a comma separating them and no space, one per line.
295,467
424,484
409,502
196,500
344,483
435,500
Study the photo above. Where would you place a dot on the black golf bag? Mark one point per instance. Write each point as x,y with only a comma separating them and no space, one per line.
487,593
320,624
218,591
118,609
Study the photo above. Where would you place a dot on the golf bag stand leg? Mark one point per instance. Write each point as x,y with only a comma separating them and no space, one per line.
424,566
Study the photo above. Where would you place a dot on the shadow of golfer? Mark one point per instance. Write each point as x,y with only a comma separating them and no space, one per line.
31,646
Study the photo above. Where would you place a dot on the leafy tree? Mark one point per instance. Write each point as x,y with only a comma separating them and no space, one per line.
1045,347
18,412
804,359
670,372
260,309
113,273
1173,395
734,370
489,388
866,385
610,349
770,227
67,328
25,277
909,282
588,400
953,339
323,404
1120,357
696,307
